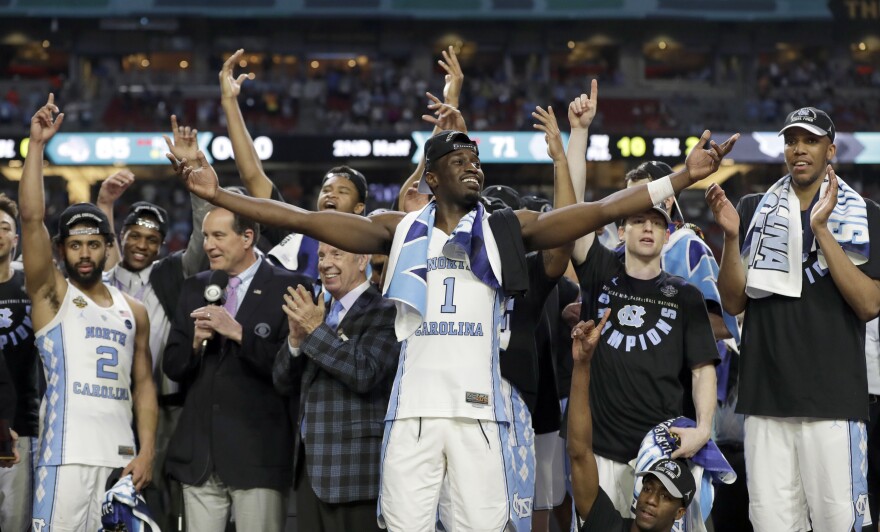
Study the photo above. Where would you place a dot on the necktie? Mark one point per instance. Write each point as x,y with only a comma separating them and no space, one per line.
231,304
332,319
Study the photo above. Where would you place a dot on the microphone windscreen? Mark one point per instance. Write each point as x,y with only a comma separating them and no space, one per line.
216,285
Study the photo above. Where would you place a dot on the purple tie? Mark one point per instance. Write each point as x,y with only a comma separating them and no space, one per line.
231,304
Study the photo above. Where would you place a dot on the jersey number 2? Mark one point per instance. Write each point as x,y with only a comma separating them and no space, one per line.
105,362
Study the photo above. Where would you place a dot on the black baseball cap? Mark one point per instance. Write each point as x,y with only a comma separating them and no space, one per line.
816,121
676,477
357,178
139,212
83,213
440,145
536,203
508,196
656,169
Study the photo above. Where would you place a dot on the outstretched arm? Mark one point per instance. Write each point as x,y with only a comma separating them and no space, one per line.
584,472
111,190
580,115
552,229
861,292
349,232
731,273
556,260
246,159
43,281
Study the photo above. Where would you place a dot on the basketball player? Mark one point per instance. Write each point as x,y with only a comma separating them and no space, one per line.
94,342
658,325
444,417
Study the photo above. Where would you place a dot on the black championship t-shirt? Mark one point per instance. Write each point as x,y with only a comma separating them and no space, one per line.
656,328
604,517
17,344
519,354
805,357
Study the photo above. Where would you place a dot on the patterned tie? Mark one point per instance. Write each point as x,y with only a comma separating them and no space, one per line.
231,304
332,319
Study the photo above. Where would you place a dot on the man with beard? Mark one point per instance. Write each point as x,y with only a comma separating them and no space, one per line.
17,345
93,340
445,275
157,284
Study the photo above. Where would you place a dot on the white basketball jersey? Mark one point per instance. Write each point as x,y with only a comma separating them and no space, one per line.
449,366
87,353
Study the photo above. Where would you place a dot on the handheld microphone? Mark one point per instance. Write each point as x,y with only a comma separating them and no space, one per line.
214,294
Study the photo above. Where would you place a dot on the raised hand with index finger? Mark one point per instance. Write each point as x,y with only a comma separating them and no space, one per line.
44,124
585,338
582,109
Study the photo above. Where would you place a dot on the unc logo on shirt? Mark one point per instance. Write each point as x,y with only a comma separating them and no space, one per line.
862,504
522,507
631,315
5,318
38,524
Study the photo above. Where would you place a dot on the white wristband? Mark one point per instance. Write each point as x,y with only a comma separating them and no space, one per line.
660,189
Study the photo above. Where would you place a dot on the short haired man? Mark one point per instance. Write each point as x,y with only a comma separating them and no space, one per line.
658,327
667,485
344,360
232,444
802,377
686,254
22,359
94,342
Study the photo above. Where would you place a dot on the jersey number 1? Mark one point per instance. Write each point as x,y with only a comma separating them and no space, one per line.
448,307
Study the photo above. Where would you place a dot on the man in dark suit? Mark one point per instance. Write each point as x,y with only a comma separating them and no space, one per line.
232,445
344,362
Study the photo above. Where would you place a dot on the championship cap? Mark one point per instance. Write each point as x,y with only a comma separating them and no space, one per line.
83,213
148,215
676,476
442,144
813,120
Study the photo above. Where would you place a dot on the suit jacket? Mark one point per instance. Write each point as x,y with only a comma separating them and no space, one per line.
345,382
233,421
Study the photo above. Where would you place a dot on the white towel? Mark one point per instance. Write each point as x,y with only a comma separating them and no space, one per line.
773,247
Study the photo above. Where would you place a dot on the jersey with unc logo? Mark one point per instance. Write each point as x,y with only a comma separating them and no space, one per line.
87,353
656,328
449,366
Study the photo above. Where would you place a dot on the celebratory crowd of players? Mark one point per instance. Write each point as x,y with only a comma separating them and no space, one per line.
422,369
